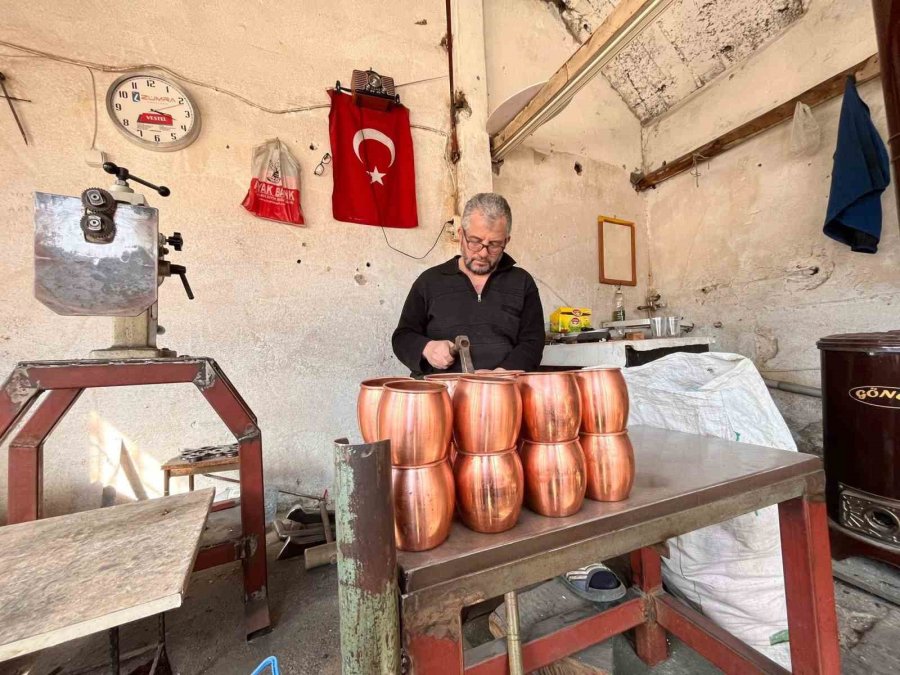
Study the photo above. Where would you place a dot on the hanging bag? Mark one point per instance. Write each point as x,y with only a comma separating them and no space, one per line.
274,192
805,133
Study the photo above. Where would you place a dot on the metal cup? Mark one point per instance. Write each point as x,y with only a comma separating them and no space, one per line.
673,326
657,327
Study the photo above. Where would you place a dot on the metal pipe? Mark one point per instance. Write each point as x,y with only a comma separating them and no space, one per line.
801,389
366,558
513,638
618,41
887,29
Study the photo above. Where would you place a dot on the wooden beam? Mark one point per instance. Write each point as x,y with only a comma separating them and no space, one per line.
617,30
824,91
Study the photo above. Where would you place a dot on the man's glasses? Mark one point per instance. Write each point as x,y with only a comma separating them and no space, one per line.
476,246
320,168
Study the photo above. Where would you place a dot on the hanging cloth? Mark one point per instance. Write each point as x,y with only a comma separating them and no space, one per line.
860,174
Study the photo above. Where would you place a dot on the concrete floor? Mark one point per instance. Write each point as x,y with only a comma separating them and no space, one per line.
206,634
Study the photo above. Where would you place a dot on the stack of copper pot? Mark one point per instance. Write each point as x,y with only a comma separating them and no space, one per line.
417,418
490,484
604,439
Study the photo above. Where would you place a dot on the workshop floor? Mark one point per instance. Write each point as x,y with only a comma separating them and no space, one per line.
206,636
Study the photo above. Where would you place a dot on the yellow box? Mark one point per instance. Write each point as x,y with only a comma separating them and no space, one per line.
570,320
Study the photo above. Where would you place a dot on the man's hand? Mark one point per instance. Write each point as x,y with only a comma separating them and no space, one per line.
438,354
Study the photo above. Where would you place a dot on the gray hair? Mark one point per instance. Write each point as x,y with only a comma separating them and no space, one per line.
490,205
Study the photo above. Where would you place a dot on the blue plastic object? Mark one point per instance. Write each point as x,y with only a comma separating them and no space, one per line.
270,662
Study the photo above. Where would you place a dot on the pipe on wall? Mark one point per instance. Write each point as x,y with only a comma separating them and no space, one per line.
887,29
801,389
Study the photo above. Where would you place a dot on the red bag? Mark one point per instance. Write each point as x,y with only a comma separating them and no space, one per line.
274,191
374,172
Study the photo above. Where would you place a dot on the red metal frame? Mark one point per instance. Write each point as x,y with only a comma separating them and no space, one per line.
810,604
64,381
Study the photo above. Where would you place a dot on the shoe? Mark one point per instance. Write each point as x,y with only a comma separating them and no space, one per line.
595,583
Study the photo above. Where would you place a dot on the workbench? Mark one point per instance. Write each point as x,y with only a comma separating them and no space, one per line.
683,482
70,576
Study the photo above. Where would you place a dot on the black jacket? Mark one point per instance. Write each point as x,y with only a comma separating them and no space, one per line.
505,324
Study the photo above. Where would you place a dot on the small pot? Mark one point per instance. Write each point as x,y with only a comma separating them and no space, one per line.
370,392
489,490
417,418
610,466
424,500
604,400
487,414
551,406
555,477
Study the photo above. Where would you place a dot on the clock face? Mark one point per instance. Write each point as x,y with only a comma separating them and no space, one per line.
153,112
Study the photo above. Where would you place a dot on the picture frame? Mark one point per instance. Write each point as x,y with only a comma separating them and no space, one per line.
616,249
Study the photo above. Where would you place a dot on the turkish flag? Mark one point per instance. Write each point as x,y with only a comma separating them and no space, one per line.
374,172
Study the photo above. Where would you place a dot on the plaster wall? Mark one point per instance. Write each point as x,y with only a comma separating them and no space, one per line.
295,316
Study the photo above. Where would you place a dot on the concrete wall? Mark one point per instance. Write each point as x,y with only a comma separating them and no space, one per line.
295,316
742,253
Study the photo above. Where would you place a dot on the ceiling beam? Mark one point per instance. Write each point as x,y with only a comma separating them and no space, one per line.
624,23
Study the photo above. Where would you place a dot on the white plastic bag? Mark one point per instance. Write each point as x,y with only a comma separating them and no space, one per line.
731,571
805,133
274,191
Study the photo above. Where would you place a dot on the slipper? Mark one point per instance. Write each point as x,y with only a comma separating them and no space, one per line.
595,583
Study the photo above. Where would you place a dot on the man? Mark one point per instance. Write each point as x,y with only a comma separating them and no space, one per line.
479,293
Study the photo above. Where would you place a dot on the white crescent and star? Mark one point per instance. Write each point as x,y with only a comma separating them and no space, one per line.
369,134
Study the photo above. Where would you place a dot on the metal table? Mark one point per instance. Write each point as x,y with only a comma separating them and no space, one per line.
683,482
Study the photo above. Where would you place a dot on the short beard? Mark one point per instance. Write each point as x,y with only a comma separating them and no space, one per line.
468,263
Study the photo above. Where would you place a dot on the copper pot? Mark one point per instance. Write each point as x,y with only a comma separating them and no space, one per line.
367,406
610,466
508,374
604,400
489,489
487,414
417,418
449,380
551,406
424,500
555,477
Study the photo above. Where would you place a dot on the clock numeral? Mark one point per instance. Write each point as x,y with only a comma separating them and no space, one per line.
141,132
123,94
187,113
125,123
180,100
134,85
174,136
151,83
184,127
167,90
118,106
156,137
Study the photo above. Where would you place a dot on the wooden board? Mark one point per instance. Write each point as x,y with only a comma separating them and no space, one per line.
66,577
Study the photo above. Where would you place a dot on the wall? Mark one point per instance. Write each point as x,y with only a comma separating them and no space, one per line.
742,252
555,207
295,316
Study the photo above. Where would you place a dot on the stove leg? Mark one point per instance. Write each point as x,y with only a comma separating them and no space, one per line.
432,639
650,638
808,585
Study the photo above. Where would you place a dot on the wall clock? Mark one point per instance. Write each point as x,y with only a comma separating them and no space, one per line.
153,112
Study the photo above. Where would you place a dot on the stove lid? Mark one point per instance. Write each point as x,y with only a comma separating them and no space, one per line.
888,341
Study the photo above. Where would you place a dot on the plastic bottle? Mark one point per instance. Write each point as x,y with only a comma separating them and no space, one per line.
619,311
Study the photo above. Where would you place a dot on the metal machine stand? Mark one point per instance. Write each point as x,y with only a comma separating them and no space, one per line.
58,384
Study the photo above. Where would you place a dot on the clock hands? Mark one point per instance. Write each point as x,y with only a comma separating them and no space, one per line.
167,107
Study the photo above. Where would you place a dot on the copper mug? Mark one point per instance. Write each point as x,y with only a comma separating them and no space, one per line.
604,400
370,392
551,406
555,477
417,418
489,489
487,414
424,500
610,466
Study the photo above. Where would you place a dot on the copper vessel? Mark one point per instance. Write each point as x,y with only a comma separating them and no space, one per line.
508,374
610,466
551,406
489,489
555,477
487,414
449,380
604,400
424,500
367,406
417,418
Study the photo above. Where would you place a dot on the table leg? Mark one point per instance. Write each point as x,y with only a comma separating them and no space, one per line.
432,638
650,637
808,585
253,524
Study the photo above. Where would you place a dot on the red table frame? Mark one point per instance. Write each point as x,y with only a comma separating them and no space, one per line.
59,384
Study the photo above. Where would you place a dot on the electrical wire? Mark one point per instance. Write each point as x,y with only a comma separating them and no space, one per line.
410,255
94,96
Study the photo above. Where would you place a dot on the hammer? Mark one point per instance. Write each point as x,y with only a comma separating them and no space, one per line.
461,346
